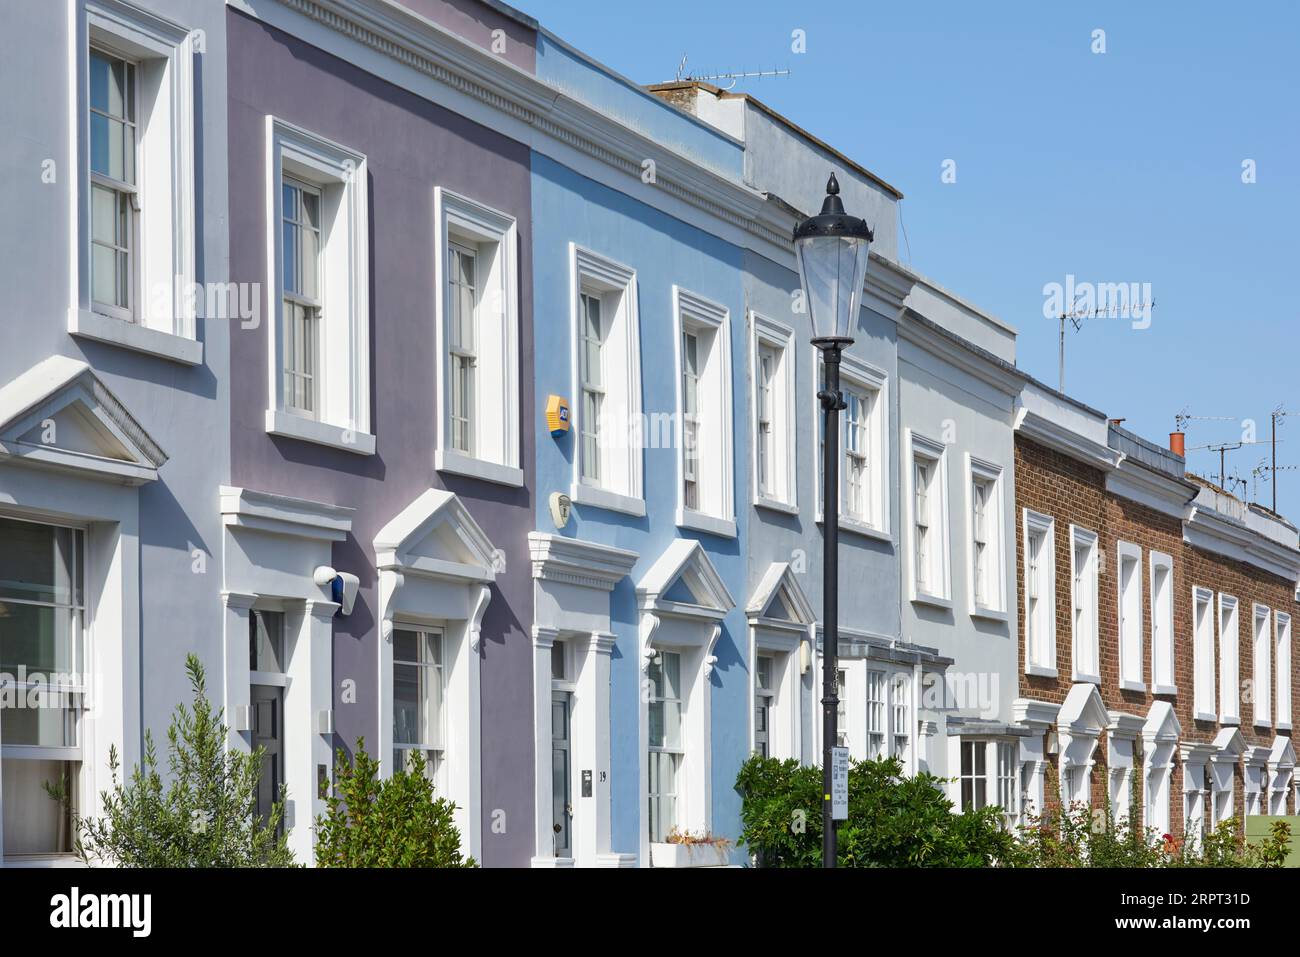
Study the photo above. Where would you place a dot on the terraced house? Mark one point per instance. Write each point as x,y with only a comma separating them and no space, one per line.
1156,665
447,392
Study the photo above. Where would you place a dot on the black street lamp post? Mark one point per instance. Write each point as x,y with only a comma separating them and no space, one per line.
832,249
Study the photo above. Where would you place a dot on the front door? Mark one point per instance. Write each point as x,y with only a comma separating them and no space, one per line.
268,733
561,773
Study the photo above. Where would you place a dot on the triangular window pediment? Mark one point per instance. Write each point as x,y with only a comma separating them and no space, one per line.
779,597
436,536
1282,754
1161,724
76,428
60,415
684,578
1083,709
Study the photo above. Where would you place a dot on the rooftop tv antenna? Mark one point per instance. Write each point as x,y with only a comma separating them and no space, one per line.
1222,448
733,76
1269,471
1235,480
1182,418
1075,317
1275,417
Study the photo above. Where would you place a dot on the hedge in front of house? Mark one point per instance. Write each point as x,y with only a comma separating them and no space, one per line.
894,820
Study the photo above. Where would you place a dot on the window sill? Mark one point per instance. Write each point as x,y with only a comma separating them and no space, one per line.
130,335
775,505
322,433
450,460
604,498
858,527
1041,671
1280,725
42,860
1263,724
1230,719
1164,689
989,614
1080,678
698,521
934,601
1132,685
1204,716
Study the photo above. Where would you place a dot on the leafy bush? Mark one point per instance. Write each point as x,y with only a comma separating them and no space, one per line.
206,813
1080,836
894,821
393,822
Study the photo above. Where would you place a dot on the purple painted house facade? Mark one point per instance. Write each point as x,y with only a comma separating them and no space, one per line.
375,423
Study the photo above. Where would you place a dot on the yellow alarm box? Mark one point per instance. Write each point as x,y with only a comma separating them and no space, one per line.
557,414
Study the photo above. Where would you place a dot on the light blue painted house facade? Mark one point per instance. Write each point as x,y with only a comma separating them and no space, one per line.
645,307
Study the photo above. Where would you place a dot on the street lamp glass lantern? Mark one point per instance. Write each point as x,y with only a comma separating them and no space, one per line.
832,250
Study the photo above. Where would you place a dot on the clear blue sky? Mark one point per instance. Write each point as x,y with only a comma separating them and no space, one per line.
1117,167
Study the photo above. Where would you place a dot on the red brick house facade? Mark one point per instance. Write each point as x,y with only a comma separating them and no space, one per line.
1132,576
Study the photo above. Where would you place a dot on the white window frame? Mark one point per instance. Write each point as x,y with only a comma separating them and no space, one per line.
1084,604
342,419
867,380
1203,664
1162,626
1229,660
1261,663
899,722
765,697
1254,787
439,669
994,604
1195,793
1130,609
678,751
1282,668
493,236
65,689
768,334
977,778
902,720
714,461
1040,618
997,789
619,487
1119,779
1157,781
162,319
877,716
938,589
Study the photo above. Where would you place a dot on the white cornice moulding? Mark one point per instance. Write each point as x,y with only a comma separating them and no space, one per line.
1206,529
1167,495
1044,431
283,515
949,348
577,562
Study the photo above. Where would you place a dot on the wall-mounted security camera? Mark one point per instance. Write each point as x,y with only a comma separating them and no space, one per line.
343,586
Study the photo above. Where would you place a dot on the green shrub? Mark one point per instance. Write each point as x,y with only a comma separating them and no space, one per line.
894,821
1080,836
206,813
394,822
